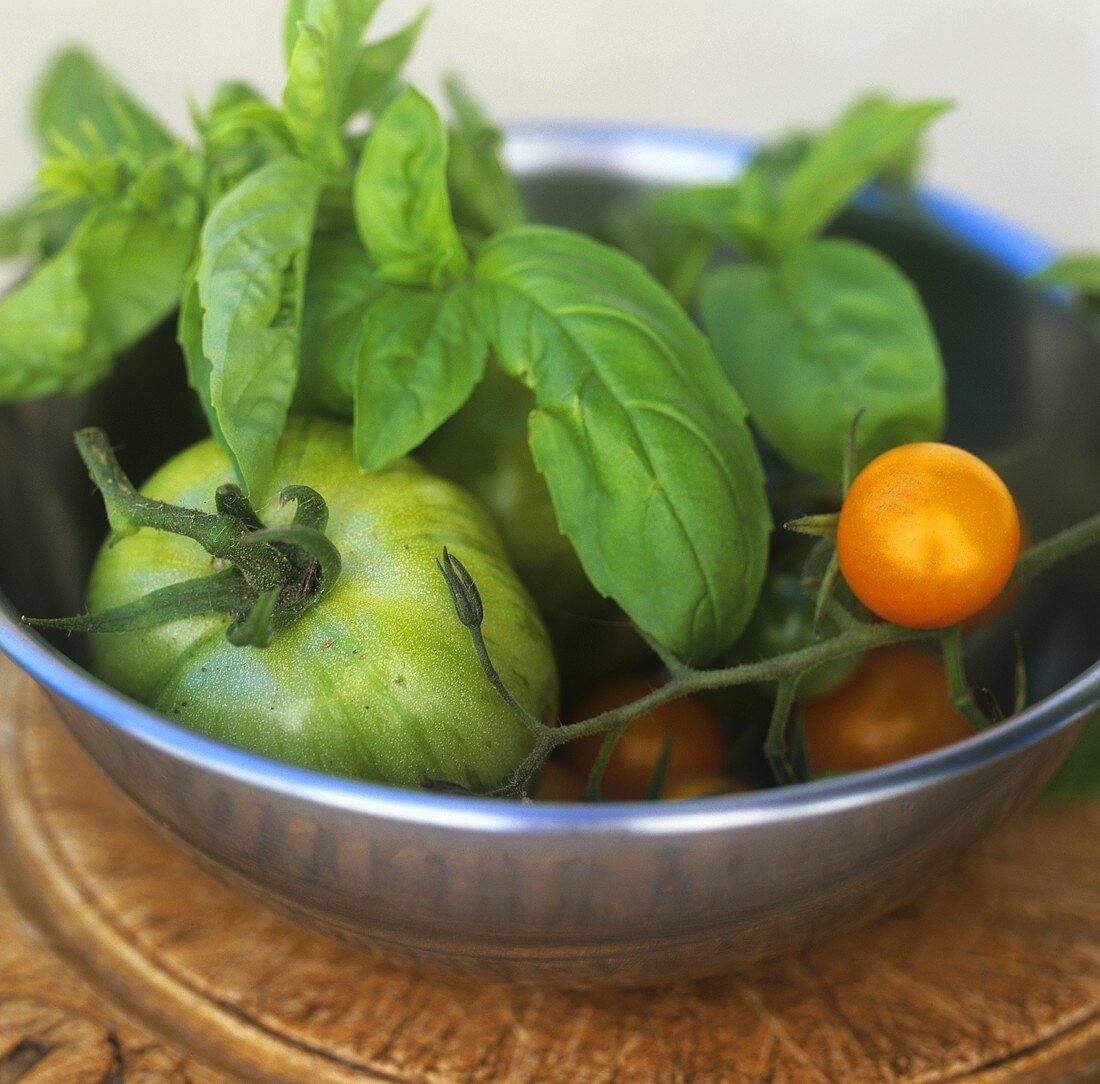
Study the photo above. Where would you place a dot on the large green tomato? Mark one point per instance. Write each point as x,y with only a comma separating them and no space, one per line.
379,679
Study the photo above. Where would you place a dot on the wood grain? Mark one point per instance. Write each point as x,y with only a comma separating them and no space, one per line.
992,977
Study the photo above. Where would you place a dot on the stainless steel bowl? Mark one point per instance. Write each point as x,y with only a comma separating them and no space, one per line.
641,892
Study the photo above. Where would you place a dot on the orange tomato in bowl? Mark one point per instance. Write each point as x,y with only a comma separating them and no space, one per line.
697,746
928,535
896,705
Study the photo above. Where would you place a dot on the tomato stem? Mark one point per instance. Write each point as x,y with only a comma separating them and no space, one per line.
962,699
855,637
1057,548
274,574
820,526
775,744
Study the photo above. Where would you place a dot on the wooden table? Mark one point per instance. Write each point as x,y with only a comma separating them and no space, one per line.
120,961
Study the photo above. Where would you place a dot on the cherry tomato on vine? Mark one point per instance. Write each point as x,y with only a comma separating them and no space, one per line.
560,782
896,705
697,742
928,535
702,786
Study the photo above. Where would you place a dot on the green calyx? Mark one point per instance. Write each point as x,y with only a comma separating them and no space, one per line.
268,576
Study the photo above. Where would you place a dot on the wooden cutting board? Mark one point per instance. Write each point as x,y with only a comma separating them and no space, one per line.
120,961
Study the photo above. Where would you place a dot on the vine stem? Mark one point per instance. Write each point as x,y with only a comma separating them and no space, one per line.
775,744
1057,548
856,637
962,699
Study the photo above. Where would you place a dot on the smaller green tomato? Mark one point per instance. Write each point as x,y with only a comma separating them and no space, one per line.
784,622
379,679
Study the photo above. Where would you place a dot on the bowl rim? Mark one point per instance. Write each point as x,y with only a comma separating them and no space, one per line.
658,154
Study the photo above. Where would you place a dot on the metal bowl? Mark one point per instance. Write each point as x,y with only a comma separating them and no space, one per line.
613,892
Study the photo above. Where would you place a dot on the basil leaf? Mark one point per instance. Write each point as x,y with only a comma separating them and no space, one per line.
739,214
777,161
189,337
642,441
676,256
80,105
34,229
254,250
486,196
844,159
45,332
1079,776
240,134
295,13
401,204
340,287
115,280
422,355
811,340
378,66
1079,271
321,65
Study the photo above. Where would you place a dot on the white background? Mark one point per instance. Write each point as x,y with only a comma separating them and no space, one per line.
1024,140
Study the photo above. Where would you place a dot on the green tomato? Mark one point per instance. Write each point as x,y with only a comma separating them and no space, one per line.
784,622
379,680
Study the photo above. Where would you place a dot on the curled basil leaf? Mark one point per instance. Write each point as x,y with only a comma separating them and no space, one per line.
254,250
116,278
641,439
402,207
323,41
421,356
811,340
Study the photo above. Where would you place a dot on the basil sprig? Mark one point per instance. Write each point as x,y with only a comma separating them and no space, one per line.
812,331
379,272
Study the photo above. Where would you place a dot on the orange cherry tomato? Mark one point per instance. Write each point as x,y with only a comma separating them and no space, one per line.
697,743
928,535
1008,598
896,705
560,783
702,786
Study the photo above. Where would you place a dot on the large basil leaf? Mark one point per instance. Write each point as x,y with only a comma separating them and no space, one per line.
116,279
254,250
844,159
340,287
641,439
811,340
378,65
423,352
402,208
80,105
486,196
322,61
